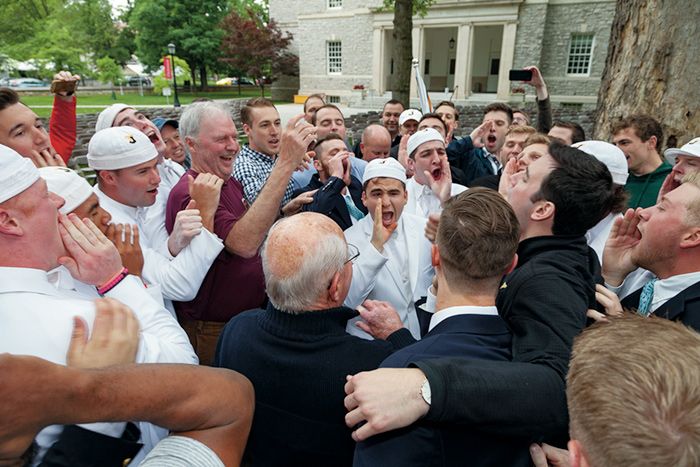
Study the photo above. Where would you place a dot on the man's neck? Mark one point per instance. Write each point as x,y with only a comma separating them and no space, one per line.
254,148
652,163
446,299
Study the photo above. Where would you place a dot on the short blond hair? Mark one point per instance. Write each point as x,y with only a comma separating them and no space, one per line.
633,392
692,206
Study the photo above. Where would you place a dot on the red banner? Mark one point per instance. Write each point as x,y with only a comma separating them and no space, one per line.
168,68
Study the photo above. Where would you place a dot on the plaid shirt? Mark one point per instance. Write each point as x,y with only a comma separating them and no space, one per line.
252,169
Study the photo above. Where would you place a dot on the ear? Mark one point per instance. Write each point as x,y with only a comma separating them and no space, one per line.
542,210
318,166
691,239
364,199
362,147
411,164
577,458
246,129
512,265
334,291
189,142
652,142
434,255
9,224
109,177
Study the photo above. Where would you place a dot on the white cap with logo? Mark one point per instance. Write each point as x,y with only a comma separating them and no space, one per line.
17,173
118,148
691,148
409,114
67,184
384,168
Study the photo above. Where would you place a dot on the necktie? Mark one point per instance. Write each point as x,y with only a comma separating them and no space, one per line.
352,209
644,308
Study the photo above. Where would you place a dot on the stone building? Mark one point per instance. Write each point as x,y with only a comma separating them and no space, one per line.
465,48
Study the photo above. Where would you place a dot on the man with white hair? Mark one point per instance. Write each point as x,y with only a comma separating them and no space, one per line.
296,352
38,310
394,264
431,184
127,182
168,170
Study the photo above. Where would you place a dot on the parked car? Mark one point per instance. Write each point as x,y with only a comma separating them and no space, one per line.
134,80
234,82
26,83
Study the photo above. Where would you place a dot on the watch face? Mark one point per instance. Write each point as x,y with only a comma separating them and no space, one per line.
425,392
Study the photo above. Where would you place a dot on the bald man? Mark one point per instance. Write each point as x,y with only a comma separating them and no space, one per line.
375,143
296,352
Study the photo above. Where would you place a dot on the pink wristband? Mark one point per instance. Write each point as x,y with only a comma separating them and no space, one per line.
113,281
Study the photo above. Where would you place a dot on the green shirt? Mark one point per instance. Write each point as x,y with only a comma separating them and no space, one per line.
644,189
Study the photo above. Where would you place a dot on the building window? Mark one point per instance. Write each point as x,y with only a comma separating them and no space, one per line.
580,51
335,3
335,57
334,99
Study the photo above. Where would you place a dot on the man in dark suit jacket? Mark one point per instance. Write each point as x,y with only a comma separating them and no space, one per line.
338,194
664,239
477,237
543,302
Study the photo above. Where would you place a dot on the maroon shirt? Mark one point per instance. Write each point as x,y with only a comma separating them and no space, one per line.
233,284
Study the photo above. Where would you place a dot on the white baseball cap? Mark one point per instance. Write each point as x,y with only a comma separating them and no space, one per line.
67,184
107,116
17,173
119,147
691,148
423,136
608,154
410,114
384,168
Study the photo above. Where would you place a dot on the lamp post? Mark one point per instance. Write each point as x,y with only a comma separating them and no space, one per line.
171,50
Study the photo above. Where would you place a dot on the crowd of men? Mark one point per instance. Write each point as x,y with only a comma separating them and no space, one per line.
412,299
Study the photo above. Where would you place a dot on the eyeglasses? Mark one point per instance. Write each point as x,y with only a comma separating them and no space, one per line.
353,253
520,119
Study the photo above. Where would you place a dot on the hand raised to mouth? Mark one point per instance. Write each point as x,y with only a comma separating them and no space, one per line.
441,184
380,233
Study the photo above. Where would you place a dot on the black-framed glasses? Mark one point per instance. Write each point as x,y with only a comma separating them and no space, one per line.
353,253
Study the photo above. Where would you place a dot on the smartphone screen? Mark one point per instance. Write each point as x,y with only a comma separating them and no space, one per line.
520,75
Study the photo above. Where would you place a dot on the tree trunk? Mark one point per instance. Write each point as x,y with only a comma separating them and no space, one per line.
193,76
403,51
652,68
203,78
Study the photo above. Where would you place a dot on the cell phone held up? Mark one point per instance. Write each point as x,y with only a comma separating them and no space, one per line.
63,86
520,75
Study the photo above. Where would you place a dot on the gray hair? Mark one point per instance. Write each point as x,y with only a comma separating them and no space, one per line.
298,292
192,116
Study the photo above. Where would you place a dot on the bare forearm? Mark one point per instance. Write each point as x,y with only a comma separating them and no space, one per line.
246,236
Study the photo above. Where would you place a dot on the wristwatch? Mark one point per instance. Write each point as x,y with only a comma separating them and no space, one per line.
425,391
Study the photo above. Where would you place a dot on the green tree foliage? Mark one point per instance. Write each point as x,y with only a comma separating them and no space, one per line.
109,71
256,47
192,25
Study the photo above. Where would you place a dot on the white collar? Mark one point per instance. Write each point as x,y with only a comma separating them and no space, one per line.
666,289
442,315
107,202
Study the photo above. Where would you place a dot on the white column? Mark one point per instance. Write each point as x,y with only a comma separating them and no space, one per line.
506,64
463,62
378,61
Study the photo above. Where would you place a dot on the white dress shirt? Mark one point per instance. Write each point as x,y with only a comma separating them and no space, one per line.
449,312
36,318
599,233
422,201
179,277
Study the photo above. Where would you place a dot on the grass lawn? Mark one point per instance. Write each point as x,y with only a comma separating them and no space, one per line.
148,99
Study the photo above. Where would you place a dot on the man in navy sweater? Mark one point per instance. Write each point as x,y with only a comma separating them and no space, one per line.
296,352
